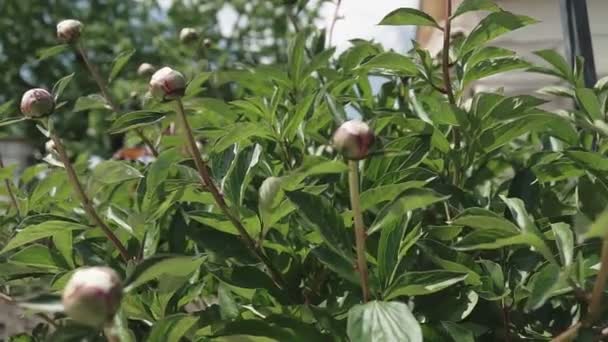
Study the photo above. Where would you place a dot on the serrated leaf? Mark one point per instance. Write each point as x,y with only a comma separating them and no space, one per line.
383,321
119,63
409,16
135,119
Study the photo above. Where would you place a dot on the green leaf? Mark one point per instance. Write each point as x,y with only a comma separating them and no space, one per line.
336,262
589,160
171,328
389,246
423,283
410,199
239,174
391,62
113,171
562,68
383,321
485,221
49,52
296,57
565,242
320,215
492,26
93,101
475,5
542,284
60,86
590,103
383,193
64,244
228,307
599,227
8,172
162,266
491,67
132,120
458,332
37,255
195,85
119,63
409,16
39,231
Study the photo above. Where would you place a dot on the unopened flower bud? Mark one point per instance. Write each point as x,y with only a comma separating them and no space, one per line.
167,84
145,69
353,139
268,192
187,34
37,102
68,31
208,43
92,295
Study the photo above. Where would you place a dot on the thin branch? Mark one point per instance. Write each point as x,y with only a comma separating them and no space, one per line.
360,235
84,199
333,23
9,190
568,335
208,183
103,87
446,53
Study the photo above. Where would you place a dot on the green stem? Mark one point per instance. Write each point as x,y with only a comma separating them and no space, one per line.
103,87
85,200
360,235
208,183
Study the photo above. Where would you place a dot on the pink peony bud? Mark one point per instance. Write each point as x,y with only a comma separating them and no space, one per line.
187,34
92,295
167,84
68,31
145,69
37,102
353,139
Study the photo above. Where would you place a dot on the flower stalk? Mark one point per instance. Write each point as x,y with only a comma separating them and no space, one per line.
360,234
84,198
208,183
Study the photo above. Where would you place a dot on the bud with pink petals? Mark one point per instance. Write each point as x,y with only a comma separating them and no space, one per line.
353,139
167,84
37,102
68,31
145,69
187,34
92,295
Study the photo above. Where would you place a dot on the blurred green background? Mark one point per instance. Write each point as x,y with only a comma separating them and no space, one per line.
234,34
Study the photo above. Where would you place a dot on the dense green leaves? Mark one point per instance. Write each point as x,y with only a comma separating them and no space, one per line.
132,120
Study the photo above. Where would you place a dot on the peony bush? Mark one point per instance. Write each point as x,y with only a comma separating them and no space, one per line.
354,197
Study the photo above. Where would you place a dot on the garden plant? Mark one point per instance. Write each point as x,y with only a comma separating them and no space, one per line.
360,196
